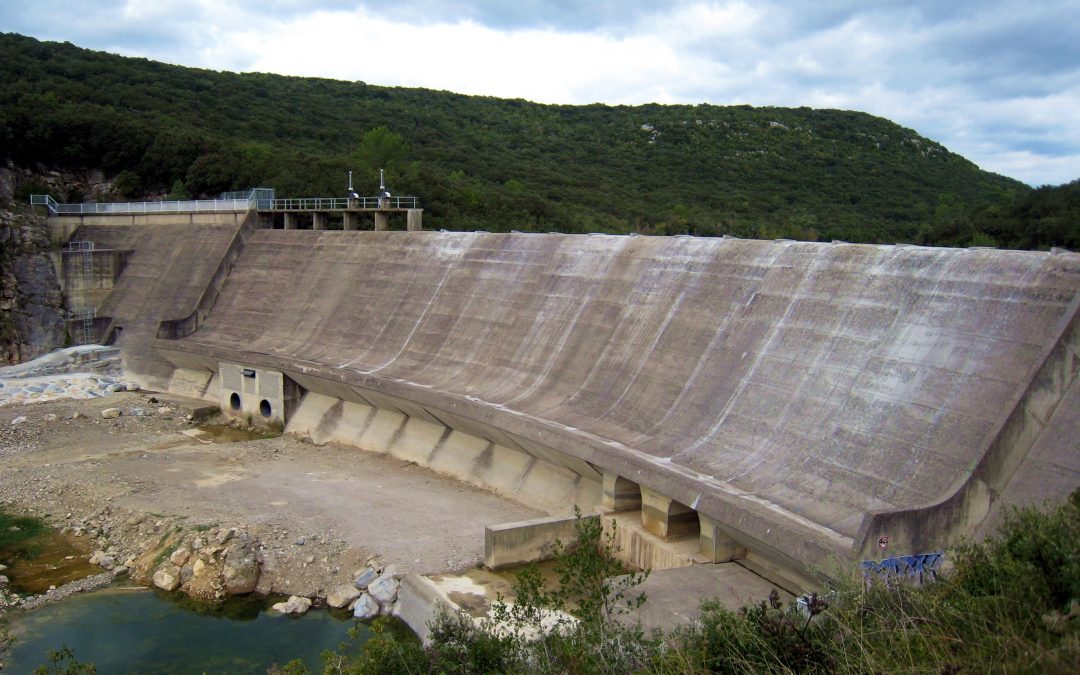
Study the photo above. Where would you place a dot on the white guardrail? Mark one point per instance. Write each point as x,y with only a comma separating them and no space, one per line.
203,205
178,206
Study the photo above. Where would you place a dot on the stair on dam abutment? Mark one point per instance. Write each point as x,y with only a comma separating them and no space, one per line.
791,401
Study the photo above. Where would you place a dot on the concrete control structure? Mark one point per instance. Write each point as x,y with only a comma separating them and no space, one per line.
776,403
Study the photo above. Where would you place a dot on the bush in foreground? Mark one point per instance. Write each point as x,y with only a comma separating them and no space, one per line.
1011,604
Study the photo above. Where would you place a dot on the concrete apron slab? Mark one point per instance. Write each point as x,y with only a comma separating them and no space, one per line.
674,596
472,593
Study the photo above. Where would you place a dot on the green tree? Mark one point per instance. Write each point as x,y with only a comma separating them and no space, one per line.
179,191
379,148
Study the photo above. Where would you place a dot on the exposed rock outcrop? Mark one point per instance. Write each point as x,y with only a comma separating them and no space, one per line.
32,317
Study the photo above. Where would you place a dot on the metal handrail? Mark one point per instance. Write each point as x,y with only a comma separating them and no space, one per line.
255,200
179,206
337,204
44,200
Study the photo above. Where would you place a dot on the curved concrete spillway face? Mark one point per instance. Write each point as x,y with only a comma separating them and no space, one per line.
168,265
758,382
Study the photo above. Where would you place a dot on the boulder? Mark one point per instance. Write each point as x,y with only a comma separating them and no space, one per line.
384,589
167,577
365,578
199,568
225,535
341,596
180,556
241,574
294,605
110,413
51,417
163,410
366,607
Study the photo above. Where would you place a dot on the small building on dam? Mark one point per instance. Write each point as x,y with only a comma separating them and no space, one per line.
781,404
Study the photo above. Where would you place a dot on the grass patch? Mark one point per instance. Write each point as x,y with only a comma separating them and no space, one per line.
17,535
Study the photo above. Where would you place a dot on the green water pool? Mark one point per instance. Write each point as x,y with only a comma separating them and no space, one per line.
133,630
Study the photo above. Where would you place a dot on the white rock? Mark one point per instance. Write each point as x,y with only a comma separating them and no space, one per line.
340,596
365,578
366,607
294,605
384,589
167,577
241,575
164,410
18,420
51,417
110,413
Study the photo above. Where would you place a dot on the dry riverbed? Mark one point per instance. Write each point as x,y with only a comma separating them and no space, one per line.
135,488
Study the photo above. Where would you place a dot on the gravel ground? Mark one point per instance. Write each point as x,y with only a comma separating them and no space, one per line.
318,514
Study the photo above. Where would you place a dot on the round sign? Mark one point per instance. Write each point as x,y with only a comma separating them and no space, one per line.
883,543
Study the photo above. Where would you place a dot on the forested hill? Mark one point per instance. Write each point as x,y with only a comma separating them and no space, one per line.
486,163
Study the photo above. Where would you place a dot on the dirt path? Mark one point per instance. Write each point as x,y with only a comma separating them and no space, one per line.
320,513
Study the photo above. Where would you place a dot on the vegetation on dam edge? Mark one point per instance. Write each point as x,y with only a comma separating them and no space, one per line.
1010,604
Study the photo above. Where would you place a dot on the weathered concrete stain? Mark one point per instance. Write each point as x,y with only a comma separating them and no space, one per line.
806,396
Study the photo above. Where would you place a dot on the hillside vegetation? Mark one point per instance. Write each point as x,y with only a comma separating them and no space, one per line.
486,163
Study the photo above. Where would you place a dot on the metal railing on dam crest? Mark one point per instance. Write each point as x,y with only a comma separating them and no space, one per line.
258,199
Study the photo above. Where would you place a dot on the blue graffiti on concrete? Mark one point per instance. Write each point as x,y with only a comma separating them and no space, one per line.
917,568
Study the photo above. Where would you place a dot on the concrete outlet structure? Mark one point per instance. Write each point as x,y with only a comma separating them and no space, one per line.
665,517
778,404
265,395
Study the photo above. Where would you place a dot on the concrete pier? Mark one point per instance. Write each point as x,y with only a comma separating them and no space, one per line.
414,220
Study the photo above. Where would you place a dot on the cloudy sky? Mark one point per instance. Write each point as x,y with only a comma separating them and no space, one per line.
997,81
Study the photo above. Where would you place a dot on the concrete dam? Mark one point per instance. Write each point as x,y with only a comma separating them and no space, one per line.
777,403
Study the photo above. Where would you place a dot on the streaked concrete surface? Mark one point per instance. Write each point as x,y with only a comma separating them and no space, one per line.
808,396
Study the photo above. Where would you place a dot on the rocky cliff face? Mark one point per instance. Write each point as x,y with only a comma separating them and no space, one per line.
31,304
